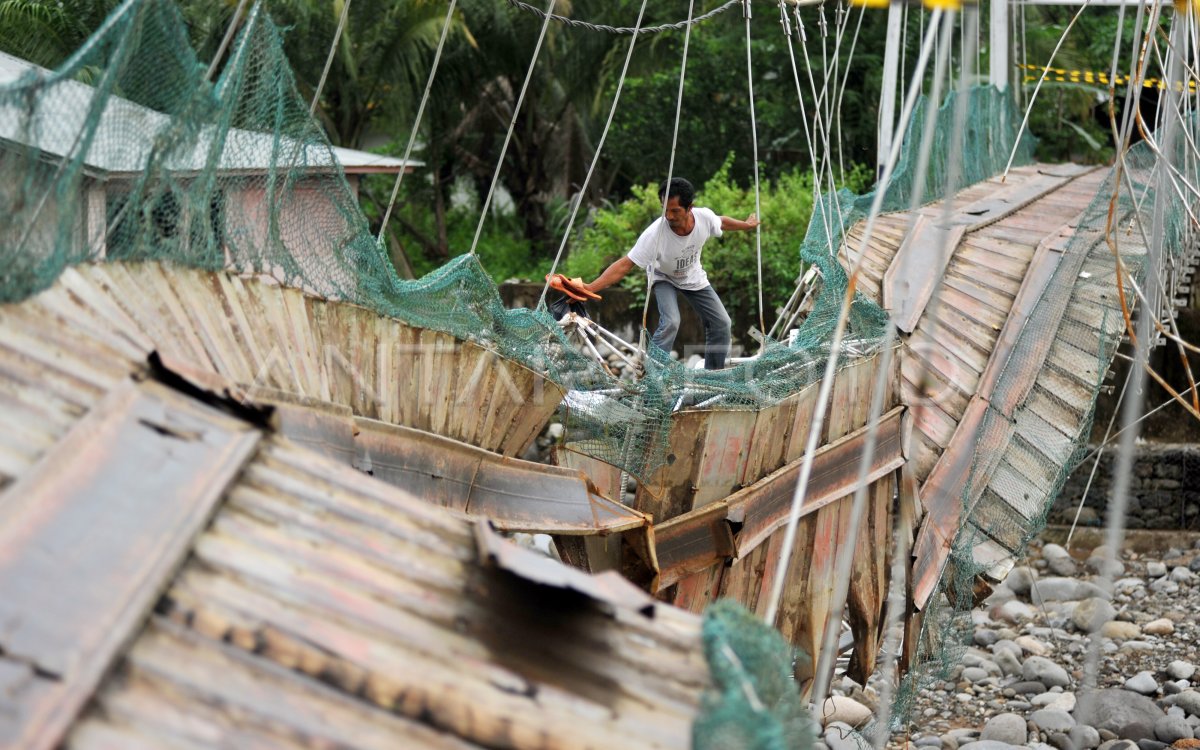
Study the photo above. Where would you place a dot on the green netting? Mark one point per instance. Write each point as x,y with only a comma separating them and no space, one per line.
1018,453
127,152
754,703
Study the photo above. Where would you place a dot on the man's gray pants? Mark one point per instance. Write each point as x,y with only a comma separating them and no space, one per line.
708,306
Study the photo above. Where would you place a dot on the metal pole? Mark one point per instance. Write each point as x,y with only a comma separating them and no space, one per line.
887,97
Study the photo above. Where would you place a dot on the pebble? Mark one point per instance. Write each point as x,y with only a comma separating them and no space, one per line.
1016,685
1142,682
840,709
1009,728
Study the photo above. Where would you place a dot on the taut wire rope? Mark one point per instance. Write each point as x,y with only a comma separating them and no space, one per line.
337,37
1038,87
595,158
643,344
757,197
818,420
412,134
537,49
579,24
225,40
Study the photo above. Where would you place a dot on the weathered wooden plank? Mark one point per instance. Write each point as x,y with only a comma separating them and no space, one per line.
693,542
869,578
696,591
977,259
516,495
89,537
726,448
157,281
237,700
670,490
763,507
96,294
917,270
195,296
1017,490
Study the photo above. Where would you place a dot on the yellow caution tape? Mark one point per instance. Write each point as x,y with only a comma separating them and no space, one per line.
1062,75
929,4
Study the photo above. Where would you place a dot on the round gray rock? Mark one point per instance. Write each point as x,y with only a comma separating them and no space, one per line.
1052,720
1156,569
1113,709
1142,682
1181,670
1022,577
974,674
1090,614
1188,700
1008,728
1171,728
1084,737
1043,670
988,745
841,736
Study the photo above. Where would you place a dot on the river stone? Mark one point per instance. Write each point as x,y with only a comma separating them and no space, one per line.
1009,664
1194,565
1171,728
1188,700
988,745
1031,645
1008,728
985,637
1064,701
1164,586
1091,614
1120,630
1138,731
845,710
1052,720
931,741
1114,709
1161,626
1142,682
1156,569
1149,744
1013,611
1181,670
1045,671
1181,574
1022,577
1062,566
1027,687
975,674
1064,590
841,736
1084,737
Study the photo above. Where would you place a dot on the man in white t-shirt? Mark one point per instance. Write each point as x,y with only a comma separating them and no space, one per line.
670,249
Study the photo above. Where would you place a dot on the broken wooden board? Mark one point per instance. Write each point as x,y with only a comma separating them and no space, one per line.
90,537
696,540
917,270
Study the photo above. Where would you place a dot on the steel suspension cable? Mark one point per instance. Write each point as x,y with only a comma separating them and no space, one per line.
643,344
337,37
757,196
1038,88
595,157
487,203
818,420
412,134
225,40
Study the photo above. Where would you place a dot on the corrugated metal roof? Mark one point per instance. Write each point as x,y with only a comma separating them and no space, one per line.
116,149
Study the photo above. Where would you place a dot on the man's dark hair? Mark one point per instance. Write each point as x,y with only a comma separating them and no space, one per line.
680,188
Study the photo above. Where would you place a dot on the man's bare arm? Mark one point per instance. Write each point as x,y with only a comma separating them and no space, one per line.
729,224
612,274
